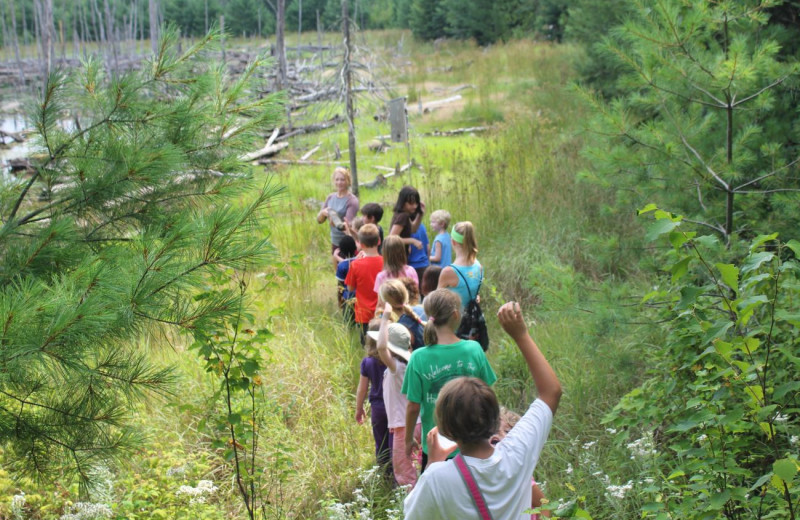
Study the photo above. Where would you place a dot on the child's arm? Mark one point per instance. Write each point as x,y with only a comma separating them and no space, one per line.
436,453
448,278
361,394
436,252
322,215
547,384
383,340
412,413
417,220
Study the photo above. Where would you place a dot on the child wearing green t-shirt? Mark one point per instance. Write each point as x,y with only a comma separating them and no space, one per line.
445,357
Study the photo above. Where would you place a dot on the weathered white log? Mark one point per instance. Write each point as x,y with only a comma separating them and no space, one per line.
266,151
427,107
310,152
273,136
457,131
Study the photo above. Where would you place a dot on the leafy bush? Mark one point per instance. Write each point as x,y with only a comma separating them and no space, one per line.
719,411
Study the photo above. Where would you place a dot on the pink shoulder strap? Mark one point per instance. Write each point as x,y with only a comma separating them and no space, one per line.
472,486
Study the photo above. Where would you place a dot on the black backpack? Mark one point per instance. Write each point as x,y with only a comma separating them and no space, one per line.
473,324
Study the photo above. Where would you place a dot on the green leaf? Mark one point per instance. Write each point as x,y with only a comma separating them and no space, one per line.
678,238
676,474
786,469
234,418
717,330
250,367
730,275
660,227
680,268
761,240
794,245
755,260
647,209
718,500
724,349
689,295
760,482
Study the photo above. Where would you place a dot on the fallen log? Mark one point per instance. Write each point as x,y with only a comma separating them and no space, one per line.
457,131
16,137
264,162
20,165
317,127
266,151
380,180
432,105
273,136
310,152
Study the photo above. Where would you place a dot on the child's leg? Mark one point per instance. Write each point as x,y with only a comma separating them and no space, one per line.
380,432
405,473
362,331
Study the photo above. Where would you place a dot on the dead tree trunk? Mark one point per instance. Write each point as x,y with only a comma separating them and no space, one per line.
280,43
15,42
85,27
348,84
153,10
110,33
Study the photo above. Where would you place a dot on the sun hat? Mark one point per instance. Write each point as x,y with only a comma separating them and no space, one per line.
399,340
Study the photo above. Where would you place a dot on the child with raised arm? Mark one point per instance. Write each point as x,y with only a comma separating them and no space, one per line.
372,370
445,357
394,349
498,476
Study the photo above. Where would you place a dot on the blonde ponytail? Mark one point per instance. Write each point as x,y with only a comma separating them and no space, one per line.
440,306
470,243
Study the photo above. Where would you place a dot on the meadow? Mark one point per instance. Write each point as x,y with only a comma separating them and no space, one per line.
546,239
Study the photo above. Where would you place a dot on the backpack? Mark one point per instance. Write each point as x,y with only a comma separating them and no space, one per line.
473,323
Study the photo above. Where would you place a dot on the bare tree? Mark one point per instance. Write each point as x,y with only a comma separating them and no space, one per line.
111,32
15,41
153,7
280,43
348,86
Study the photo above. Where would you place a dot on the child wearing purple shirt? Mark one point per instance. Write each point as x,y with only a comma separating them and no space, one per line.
371,380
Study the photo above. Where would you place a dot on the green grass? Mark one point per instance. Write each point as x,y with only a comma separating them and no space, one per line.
544,240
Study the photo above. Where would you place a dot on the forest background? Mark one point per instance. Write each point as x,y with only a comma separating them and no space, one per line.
674,331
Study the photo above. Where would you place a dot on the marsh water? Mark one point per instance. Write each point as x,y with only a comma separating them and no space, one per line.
13,123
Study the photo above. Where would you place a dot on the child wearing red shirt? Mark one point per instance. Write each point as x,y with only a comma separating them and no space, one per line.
362,274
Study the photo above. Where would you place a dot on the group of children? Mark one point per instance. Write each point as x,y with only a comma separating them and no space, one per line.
419,375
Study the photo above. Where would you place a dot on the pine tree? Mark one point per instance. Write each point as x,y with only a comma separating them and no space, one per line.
427,19
126,217
698,130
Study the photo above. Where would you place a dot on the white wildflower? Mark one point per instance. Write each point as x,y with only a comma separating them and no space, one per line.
87,511
794,440
611,431
702,438
18,505
589,445
643,447
620,491
569,469
197,494
780,418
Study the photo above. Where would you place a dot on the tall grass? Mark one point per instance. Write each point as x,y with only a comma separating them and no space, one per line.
545,239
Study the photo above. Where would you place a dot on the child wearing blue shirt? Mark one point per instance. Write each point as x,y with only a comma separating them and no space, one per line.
347,251
442,249
418,257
